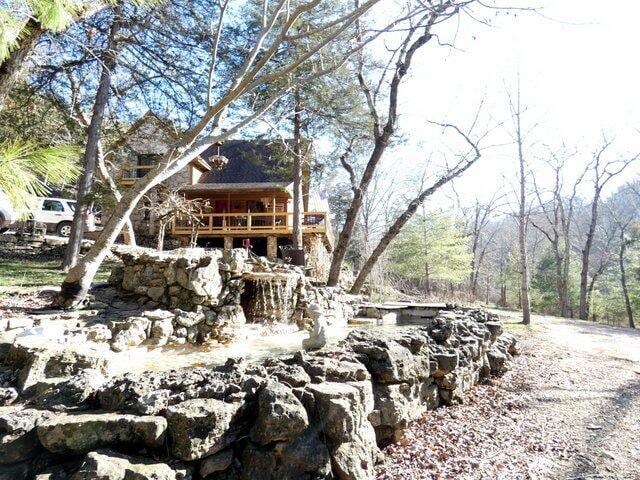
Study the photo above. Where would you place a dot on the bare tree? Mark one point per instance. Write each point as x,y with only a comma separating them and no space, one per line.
477,219
128,232
556,220
393,231
416,36
603,171
85,181
171,206
261,66
622,209
523,214
625,242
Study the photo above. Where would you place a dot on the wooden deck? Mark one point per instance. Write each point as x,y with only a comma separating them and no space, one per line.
256,225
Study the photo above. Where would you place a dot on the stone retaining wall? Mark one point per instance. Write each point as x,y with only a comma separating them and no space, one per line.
302,416
204,291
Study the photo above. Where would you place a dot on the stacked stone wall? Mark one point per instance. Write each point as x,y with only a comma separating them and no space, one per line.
301,416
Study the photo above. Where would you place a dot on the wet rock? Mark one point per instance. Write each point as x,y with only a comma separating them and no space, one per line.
132,334
281,416
81,433
161,331
108,465
201,427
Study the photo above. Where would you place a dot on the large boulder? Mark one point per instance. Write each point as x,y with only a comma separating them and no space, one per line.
281,416
81,433
107,465
131,333
386,359
18,438
38,364
350,437
201,427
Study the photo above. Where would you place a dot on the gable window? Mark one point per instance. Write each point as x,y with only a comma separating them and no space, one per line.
145,161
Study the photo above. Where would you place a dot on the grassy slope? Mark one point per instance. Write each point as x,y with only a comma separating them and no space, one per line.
38,273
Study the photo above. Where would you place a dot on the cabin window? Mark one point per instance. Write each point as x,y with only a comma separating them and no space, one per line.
145,161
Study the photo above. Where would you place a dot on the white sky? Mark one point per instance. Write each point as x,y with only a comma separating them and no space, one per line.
578,72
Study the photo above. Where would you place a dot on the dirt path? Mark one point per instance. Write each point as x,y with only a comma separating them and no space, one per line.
568,409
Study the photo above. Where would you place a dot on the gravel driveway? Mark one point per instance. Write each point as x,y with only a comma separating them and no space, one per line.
568,409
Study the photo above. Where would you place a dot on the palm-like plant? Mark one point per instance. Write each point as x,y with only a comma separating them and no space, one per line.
52,15
27,170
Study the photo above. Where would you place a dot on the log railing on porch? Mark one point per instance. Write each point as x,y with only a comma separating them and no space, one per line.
132,172
268,223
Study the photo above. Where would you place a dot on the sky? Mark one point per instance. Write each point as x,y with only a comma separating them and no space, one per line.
578,67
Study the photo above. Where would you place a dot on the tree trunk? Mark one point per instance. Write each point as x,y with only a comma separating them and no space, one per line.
127,231
381,141
586,252
11,67
623,281
298,204
78,279
427,281
522,223
93,138
561,286
340,250
402,220
160,242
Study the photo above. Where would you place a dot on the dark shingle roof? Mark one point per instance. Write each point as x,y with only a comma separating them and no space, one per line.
250,161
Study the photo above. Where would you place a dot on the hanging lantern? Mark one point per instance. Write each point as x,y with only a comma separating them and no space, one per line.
218,161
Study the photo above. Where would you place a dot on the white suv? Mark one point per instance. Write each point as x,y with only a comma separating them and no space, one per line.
55,213
8,215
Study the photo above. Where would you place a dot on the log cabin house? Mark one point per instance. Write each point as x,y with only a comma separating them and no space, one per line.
248,200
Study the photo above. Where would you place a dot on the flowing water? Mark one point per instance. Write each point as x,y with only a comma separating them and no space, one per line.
254,343
269,297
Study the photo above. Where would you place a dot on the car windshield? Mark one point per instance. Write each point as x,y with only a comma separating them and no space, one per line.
72,206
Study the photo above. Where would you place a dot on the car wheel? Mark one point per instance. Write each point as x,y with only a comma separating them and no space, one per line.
64,229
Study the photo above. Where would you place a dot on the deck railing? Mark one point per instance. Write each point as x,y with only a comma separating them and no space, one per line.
219,224
132,172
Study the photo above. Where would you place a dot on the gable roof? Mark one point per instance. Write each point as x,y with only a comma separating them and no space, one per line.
251,161
286,187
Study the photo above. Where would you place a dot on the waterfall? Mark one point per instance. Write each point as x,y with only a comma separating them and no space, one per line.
271,298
